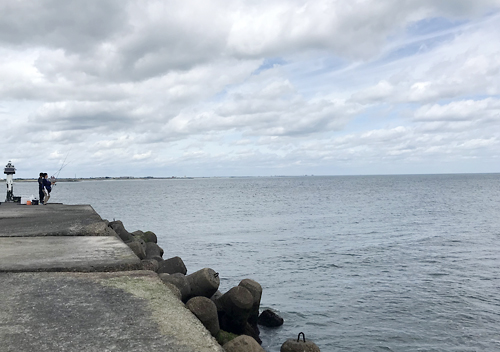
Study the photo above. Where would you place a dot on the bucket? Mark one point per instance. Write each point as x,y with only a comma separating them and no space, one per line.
28,202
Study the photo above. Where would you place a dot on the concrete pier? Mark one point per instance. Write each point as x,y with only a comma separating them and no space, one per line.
69,284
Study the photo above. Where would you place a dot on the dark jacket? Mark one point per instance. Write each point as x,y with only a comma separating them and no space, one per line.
40,184
46,184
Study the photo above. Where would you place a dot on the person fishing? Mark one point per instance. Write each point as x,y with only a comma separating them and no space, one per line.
47,188
41,194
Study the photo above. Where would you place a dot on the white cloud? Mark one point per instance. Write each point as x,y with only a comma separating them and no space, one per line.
355,29
461,110
250,85
142,156
383,90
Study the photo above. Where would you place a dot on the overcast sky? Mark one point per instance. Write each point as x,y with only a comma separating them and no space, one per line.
219,88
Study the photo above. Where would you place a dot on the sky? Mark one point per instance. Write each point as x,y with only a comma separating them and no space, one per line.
92,88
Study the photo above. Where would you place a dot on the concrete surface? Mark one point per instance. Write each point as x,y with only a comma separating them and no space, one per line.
57,237
55,295
66,253
121,311
50,220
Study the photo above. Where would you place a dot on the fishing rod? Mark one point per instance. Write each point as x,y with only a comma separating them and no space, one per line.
63,165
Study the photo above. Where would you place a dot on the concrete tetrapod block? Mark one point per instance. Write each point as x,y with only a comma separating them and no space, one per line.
174,290
205,310
153,251
118,227
243,343
141,241
172,266
216,296
256,290
149,264
138,249
234,308
293,345
180,281
150,236
204,282
147,236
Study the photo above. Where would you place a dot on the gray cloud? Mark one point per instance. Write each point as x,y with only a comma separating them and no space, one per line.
242,85
75,26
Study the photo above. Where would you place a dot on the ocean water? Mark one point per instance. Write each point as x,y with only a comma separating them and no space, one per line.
357,263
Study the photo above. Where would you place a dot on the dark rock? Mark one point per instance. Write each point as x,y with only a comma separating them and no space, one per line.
172,266
270,319
206,312
118,227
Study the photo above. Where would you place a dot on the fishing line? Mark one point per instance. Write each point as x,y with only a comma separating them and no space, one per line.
53,178
63,165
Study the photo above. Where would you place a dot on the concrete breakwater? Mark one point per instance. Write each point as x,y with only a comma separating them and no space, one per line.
226,316
73,281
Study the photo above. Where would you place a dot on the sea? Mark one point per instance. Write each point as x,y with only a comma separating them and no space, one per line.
356,263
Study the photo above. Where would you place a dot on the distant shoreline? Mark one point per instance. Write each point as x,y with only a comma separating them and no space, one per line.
109,178
106,179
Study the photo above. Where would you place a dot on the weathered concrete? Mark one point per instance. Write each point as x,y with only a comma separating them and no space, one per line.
243,343
204,282
81,307
234,308
298,345
50,220
121,311
66,253
180,281
172,266
206,311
